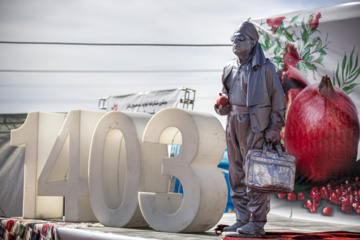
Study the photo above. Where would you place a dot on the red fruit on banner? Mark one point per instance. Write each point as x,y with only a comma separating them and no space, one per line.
334,198
351,199
324,193
300,196
321,117
316,201
313,208
314,20
291,197
315,189
282,195
327,211
274,23
344,193
347,208
344,200
356,205
307,204
293,78
338,192
222,100
291,57
330,193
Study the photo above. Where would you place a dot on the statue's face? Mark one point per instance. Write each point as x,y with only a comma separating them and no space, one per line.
242,44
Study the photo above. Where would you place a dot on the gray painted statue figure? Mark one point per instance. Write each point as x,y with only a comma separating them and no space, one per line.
255,113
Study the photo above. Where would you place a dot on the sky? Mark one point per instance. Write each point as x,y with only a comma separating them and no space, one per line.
119,21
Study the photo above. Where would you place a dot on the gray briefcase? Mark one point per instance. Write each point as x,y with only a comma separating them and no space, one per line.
271,171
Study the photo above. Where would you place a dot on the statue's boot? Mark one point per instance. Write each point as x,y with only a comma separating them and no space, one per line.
234,227
251,230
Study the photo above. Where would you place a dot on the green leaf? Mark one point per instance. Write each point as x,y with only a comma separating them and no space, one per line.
267,41
319,45
289,36
299,66
350,87
282,26
333,80
307,47
343,66
322,51
337,75
347,69
303,24
354,76
260,32
295,18
305,37
356,62
310,66
272,43
263,47
313,30
277,59
319,59
278,34
277,49
351,59
306,56
315,40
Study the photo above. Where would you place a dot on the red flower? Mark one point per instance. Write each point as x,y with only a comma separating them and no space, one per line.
314,20
291,56
274,23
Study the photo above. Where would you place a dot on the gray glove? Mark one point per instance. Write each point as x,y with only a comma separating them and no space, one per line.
222,110
272,136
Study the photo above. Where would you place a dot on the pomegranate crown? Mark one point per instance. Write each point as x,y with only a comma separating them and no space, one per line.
326,88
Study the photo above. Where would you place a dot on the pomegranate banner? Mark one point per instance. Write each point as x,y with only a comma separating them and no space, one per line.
316,55
148,102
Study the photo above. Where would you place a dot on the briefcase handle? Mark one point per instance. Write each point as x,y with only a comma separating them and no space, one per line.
268,145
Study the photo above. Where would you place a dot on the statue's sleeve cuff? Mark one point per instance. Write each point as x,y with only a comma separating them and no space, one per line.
275,126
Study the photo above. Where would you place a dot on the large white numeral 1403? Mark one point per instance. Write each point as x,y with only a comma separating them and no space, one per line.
205,191
38,133
65,171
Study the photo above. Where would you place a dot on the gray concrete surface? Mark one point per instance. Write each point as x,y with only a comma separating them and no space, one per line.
275,224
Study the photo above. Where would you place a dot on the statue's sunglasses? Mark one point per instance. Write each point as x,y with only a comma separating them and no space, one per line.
238,37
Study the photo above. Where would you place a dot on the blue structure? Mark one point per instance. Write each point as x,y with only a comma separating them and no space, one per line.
223,165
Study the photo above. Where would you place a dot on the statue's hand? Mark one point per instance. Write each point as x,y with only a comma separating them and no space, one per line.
222,110
272,136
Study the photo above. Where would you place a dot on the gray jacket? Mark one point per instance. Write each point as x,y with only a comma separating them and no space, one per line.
265,95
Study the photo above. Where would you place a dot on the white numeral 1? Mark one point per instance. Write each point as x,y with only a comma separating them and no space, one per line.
38,133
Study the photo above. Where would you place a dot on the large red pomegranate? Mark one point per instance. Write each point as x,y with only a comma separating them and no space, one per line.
322,131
